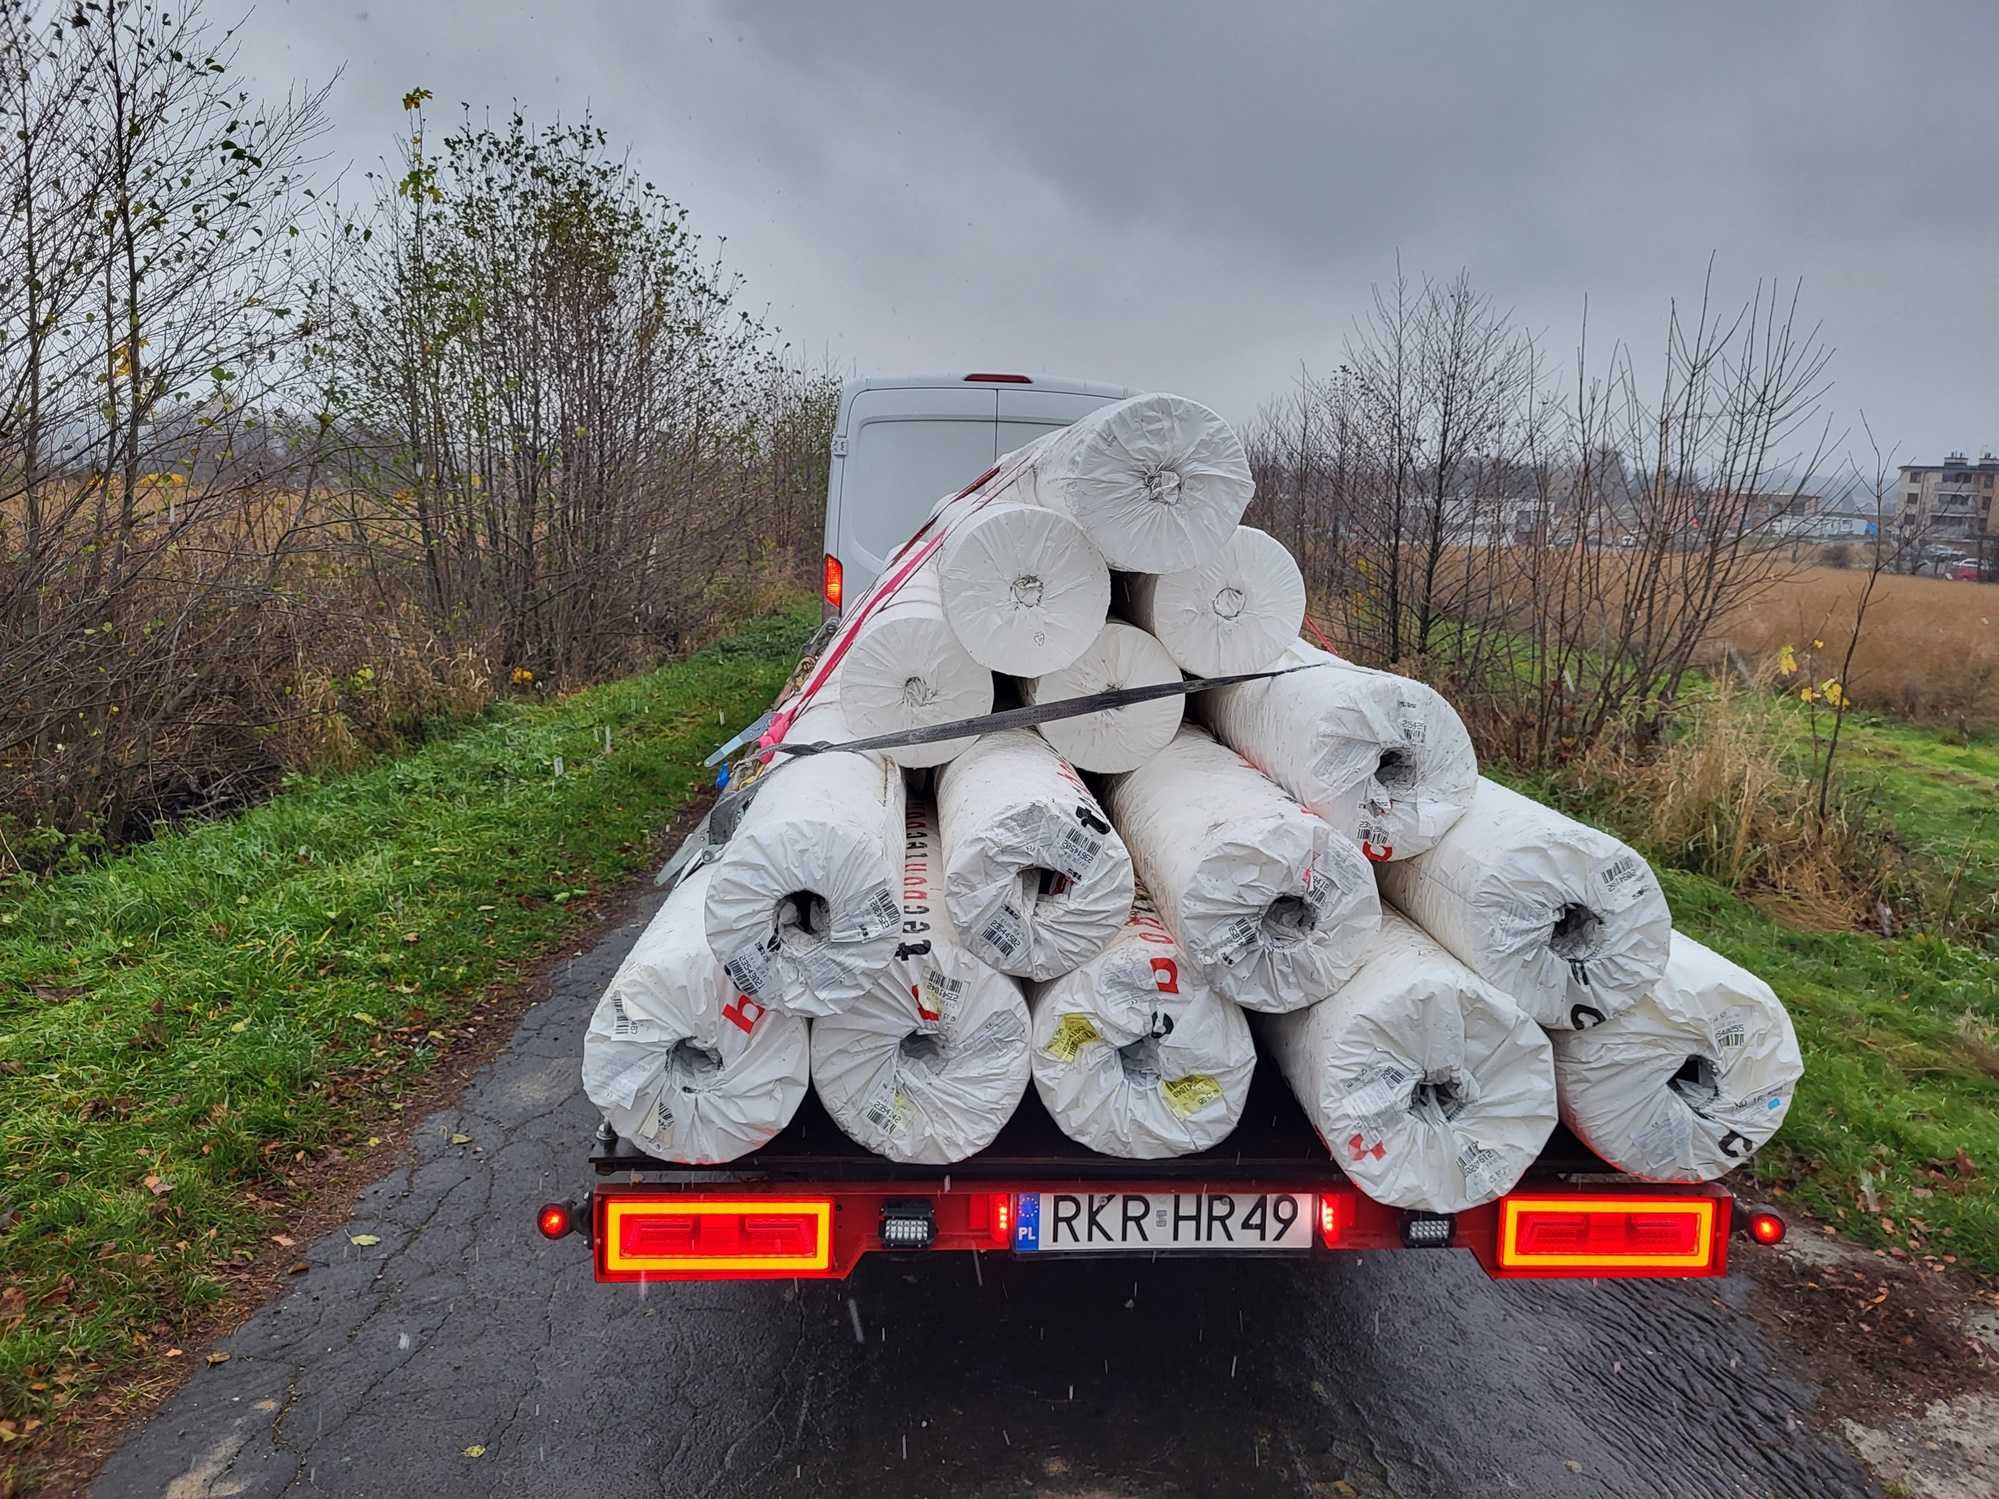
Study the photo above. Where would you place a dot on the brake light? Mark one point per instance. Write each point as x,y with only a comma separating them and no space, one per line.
990,379
715,1238
1329,1220
830,587
1765,1227
1582,1235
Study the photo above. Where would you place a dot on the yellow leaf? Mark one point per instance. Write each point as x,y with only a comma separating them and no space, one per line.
475,1450
365,1018
240,1026
1806,695
374,1140
1787,661
218,1357
364,1240
461,1139
1818,645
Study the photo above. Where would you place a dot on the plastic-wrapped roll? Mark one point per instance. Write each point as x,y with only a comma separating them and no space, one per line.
1564,918
802,910
1272,904
906,670
1036,879
1116,738
681,1064
1234,611
1024,590
1382,758
931,1062
1432,1089
1690,1081
1135,1054
1158,482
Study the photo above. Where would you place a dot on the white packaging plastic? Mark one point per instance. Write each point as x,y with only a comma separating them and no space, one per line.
1157,481
906,670
1233,611
1690,1081
1036,879
1272,904
1564,918
1432,1089
1382,758
802,909
1024,590
931,1062
681,1064
1135,1054
1111,739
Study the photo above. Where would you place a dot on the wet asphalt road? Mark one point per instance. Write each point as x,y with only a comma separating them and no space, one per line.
1404,1374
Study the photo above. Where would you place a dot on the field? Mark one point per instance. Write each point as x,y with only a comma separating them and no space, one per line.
187,1026
1929,651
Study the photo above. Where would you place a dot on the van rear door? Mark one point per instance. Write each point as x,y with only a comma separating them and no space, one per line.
1026,413
906,447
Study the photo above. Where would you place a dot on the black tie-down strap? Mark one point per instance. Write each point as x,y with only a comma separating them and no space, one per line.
1028,716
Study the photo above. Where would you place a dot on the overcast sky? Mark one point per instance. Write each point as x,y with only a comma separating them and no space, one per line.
1197,198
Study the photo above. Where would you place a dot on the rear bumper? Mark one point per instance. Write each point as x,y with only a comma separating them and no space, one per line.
671,1231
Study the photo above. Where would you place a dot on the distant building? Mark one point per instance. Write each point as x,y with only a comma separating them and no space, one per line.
1948,501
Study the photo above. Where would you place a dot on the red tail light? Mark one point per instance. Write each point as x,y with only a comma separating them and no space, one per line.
1003,1220
553,1220
715,1238
1765,1227
1582,1235
991,379
830,587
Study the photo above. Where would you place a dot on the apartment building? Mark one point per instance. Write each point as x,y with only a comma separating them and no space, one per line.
1949,501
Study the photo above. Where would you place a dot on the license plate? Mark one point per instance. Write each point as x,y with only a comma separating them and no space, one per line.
1142,1222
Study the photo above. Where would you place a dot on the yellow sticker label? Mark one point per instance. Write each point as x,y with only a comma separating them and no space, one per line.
1188,1095
1072,1034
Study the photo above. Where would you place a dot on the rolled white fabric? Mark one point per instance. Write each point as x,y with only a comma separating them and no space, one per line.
1036,879
1432,1089
1272,905
1564,918
1135,1054
1690,1081
1382,758
1111,739
1157,481
681,1064
1024,590
931,1062
906,670
802,910
1234,611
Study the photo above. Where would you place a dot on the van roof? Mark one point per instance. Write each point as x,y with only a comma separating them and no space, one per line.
1060,384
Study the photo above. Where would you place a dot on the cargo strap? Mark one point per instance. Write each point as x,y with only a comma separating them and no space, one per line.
1039,713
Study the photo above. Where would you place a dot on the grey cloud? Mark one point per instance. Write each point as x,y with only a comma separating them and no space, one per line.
1200,196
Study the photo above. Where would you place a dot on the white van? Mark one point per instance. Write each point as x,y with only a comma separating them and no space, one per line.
902,442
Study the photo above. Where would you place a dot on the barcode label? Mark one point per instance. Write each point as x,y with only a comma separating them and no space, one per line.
871,915
1380,1092
658,1118
1731,1031
821,967
1072,1033
1484,1169
749,969
1235,940
1005,933
1619,871
1374,833
1320,886
622,1025
942,995
1075,852
1187,1096
1620,881
887,1109
1414,730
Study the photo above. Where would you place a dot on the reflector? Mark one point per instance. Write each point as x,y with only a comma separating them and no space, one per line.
553,1220
1766,1227
1329,1220
832,586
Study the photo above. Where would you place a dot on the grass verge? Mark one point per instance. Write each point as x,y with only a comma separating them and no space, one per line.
1894,1134
184,1026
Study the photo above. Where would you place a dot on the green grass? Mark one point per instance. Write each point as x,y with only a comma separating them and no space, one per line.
178,1024
1900,1037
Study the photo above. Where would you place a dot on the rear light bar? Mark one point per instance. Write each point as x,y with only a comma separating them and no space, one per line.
646,1231
991,379
1585,1234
